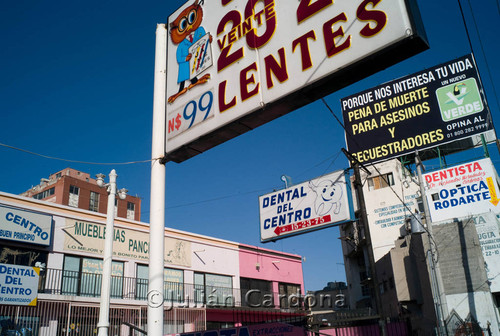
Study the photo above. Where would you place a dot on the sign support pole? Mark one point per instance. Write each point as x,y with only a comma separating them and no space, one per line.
358,186
369,248
433,265
157,206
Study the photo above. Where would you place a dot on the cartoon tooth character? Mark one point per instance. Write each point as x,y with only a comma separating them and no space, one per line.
185,31
328,195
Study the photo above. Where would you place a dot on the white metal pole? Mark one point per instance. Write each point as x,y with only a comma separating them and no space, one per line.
157,205
103,324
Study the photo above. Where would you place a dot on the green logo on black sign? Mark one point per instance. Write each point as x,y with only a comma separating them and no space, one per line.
459,100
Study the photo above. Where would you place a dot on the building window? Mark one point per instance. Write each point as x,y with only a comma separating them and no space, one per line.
130,210
141,291
116,207
289,295
381,181
256,293
73,196
173,284
83,276
213,289
44,194
22,256
94,201
71,276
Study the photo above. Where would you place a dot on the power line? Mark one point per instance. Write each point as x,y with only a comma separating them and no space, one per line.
480,45
247,192
335,157
407,208
73,161
145,161
216,199
385,179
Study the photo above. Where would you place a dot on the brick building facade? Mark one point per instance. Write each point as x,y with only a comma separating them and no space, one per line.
77,189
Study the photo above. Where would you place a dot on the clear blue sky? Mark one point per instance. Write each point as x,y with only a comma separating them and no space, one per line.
76,82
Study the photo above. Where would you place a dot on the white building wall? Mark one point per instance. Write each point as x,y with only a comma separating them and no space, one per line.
55,261
214,256
215,259
480,303
385,210
185,251
386,218
206,254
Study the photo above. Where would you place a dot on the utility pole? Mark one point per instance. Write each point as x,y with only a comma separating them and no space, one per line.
436,280
358,186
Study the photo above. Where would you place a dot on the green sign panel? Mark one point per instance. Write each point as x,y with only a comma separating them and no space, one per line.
459,100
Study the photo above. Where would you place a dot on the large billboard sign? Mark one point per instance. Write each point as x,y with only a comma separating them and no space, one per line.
304,207
463,190
18,285
423,110
25,226
233,65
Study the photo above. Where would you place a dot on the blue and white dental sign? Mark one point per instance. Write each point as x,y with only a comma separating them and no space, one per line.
25,226
312,205
18,285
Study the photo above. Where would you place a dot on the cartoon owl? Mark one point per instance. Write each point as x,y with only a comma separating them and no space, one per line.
185,30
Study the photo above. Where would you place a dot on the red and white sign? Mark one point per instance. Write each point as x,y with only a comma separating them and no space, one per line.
227,59
308,206
463,190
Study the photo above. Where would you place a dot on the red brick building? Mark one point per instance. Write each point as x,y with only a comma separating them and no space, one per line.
77,189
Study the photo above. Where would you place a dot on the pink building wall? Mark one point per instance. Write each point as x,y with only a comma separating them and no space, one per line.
264,264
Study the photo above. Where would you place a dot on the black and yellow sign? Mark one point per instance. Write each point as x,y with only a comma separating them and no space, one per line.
426,109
